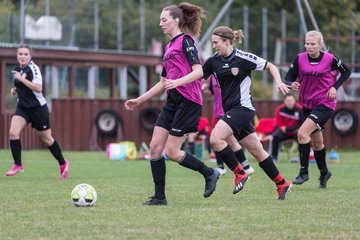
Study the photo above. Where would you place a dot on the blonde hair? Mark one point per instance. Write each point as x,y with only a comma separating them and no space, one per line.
227,33
189,15
319,37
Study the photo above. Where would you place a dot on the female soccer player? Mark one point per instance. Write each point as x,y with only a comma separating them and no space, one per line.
232,69
31,108
214,89
317,71
180,116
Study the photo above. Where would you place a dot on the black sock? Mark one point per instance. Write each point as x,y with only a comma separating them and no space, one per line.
304,150
229,159
219,161
240,155
15,146
320,157
192,147
191,162
56,152
271,170
158,170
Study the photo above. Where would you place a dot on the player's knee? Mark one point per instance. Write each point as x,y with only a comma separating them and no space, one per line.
14,134
303,137
155,150
318,145
47,140
215,140
173,154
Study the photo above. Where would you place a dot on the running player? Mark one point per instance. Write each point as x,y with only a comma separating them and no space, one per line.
180,116
31,108
232,69
317,71
214,89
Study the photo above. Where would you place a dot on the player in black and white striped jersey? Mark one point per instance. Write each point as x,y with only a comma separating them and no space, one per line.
31,108
232,70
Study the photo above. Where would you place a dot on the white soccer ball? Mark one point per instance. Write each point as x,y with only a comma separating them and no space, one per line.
83,195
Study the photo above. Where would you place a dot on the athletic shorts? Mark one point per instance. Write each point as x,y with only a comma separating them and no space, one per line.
320,115
37,116
240,119
179,116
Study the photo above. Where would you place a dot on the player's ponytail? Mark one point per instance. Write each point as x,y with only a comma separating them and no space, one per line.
189,17
227,33
238,35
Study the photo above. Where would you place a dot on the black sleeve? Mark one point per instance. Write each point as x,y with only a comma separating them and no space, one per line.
163,73
190,51
293,72
207,71
343,70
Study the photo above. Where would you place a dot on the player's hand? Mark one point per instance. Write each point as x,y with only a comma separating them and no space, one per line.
204,87
283,129
170,84
295,86
13,91
282,87
331,94
18,75
131,104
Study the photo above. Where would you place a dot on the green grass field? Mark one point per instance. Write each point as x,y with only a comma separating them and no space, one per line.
36,204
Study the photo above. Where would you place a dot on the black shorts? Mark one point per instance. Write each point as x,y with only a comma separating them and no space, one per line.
240,119
37,116
179,116
320,115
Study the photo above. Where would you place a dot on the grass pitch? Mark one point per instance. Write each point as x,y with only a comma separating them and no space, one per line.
36,204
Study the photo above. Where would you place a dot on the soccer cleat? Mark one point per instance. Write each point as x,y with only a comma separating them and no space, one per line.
222,171
250,170
240,181
301,178
64,170
323,179
210,183
154,201
14,170
282,189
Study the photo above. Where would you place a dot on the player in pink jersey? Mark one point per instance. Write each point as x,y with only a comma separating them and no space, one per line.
180,116
317,71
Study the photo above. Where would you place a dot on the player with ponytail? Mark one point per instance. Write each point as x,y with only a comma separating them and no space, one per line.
232,69
181,78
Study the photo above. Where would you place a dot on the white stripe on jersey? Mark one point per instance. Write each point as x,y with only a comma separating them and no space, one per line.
245,96
260,62
37,78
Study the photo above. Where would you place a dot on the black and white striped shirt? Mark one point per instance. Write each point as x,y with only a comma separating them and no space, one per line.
28,98
233,75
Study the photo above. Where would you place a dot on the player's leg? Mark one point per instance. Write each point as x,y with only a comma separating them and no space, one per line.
254,146
278,137
218,140
320,157
304,133
158,167
17,124
219,160
173,152
55,150
240,155
191,142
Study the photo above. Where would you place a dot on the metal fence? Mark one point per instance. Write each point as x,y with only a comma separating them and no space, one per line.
133,25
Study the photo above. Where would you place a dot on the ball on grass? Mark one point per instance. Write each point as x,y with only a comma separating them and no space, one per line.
83,195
